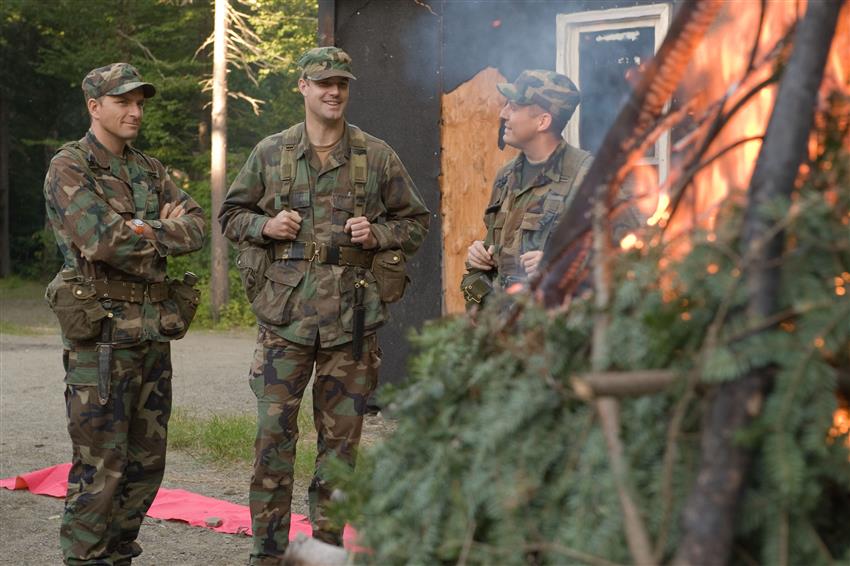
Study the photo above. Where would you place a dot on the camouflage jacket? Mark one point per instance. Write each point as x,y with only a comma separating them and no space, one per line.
89,193
302,300
519,218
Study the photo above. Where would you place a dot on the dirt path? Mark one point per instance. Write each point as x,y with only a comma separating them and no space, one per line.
210,376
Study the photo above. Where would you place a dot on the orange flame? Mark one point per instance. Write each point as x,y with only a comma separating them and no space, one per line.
718,71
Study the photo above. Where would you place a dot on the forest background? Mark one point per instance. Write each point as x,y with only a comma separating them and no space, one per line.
47,47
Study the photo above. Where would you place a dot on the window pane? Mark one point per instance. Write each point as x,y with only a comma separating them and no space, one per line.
605,59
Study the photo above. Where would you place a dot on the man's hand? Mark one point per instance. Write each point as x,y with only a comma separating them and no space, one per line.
480,257
531,261
172,210
284,226
361,232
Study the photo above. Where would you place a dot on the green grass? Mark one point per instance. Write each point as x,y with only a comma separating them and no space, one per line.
7,327
15,288
230,437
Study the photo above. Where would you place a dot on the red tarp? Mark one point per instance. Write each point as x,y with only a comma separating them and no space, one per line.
170,504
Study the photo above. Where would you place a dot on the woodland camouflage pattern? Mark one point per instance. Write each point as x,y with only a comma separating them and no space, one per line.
279,375
118,448
303,300
89,193
553,92
115,79
324,62
305,313
521,218
110,488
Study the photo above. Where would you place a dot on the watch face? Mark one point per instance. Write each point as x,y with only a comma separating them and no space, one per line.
138,222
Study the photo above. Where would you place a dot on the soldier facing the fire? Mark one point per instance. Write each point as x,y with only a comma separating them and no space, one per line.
533,190
117,217
325,216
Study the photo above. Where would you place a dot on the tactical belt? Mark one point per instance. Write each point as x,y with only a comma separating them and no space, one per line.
333,255
129,291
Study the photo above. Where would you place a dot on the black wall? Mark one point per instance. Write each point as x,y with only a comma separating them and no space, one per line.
396,98
406,53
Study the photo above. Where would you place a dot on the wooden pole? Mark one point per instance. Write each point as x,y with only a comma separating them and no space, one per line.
218,161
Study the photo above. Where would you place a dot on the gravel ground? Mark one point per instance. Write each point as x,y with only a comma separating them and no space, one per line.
210,370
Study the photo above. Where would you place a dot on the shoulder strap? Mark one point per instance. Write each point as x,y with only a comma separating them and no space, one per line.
500,184
291,137
573,160
359,167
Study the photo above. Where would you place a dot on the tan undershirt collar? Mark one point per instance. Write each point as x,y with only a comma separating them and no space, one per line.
322,151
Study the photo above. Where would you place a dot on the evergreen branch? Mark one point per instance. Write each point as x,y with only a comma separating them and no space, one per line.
569,552
800,372
467,543
822,548
140,45
636,534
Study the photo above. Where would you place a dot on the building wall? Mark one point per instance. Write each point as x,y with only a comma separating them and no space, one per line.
395,48
410,56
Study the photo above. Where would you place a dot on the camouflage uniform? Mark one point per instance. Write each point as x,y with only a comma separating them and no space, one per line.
113,274
522,212
303,293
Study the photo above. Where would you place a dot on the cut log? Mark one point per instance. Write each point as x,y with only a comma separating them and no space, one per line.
306,551
622,383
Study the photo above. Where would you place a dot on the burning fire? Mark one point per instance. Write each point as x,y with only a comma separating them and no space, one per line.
719,71
727,70
840,427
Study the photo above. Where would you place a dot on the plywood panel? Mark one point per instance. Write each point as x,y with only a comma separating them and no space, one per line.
470,159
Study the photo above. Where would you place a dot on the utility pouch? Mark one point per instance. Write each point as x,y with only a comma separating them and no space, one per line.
186,297
75,304
252,261
388,267
475,286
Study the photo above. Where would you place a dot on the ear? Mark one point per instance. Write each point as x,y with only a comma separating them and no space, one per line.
302,85
93,106
544,121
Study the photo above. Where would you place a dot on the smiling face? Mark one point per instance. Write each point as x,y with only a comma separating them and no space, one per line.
116,119
523,122
325,100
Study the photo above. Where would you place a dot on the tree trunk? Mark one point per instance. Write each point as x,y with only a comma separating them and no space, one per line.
218,165
709,515
5,228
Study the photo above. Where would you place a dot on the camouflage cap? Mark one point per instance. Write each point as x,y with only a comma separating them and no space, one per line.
553,92
323,62
115,79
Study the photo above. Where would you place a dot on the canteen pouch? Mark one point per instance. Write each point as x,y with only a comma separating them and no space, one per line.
388,267
475,285
252,261
75,304
186,297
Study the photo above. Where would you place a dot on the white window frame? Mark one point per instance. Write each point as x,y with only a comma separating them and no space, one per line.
569,29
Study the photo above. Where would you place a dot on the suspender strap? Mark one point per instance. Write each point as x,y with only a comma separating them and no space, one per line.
291,138
358,168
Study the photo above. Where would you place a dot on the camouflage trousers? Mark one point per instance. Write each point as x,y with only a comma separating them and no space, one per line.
118,451
279,375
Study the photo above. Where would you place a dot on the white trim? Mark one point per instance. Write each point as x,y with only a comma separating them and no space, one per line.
568,29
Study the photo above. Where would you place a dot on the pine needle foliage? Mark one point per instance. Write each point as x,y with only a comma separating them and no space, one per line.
496,461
